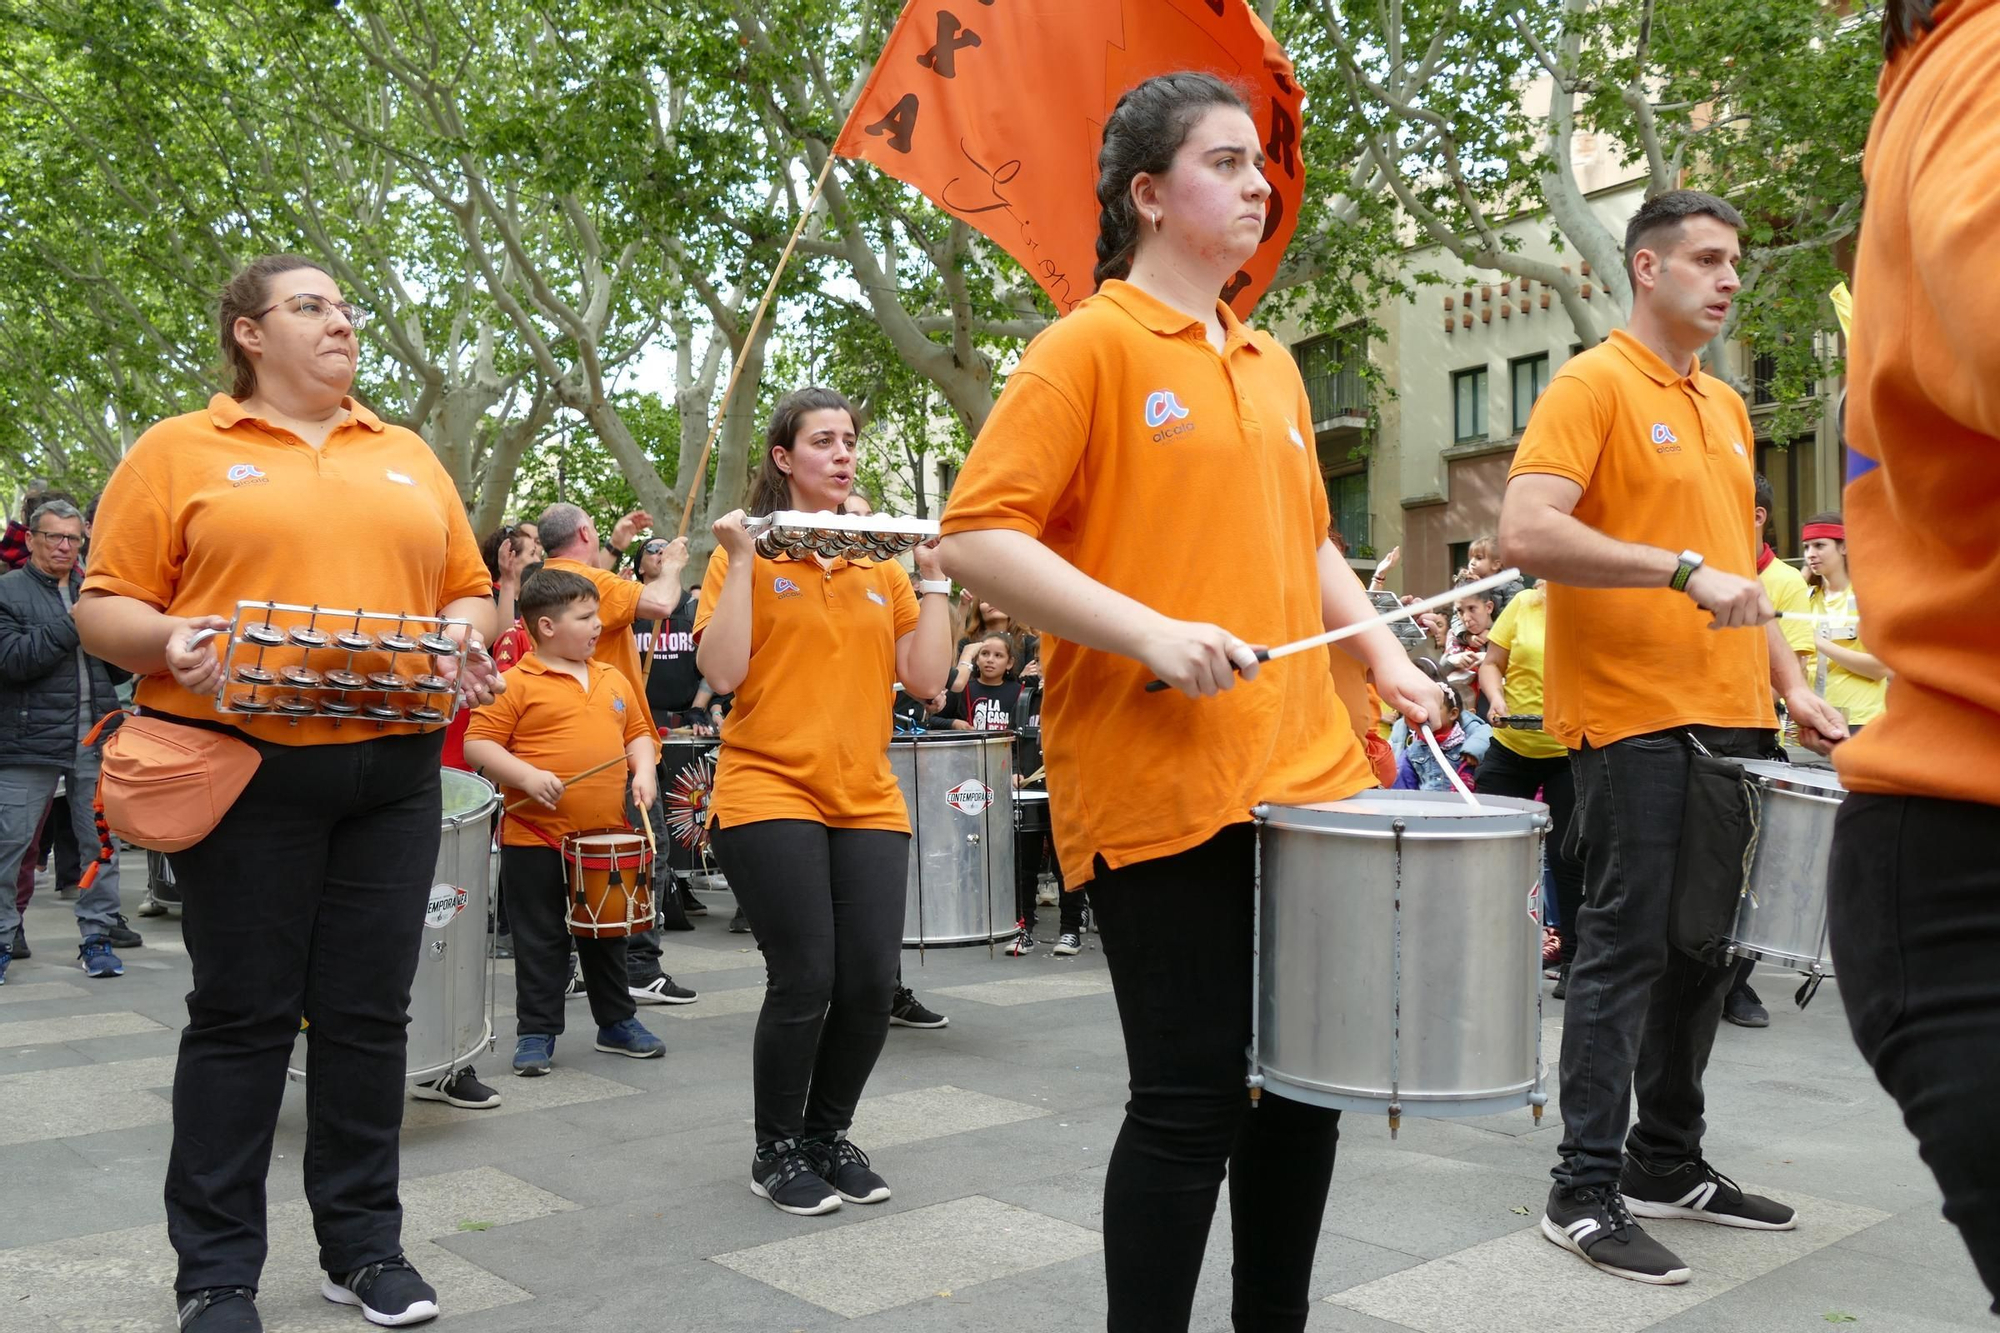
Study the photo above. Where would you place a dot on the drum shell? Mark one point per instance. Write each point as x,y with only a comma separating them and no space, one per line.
1783,919
1458,1032
1031,812
451,995
676,754
608,911
960,886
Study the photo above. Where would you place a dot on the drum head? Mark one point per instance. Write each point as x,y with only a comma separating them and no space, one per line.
466,795
1795,777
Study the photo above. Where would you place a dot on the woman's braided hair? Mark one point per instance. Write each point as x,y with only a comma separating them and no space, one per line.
1144,132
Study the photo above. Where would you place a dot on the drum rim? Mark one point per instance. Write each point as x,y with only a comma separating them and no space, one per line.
944,740
1430,815
489,797
1779,776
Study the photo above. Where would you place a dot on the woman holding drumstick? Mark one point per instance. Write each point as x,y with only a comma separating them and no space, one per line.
1071,512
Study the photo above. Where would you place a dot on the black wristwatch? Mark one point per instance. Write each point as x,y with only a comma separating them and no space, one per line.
1690,561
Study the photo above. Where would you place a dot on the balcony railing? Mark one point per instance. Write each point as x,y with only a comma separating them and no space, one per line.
1340,394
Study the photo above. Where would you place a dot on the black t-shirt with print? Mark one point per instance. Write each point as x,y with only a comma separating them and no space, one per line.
675,678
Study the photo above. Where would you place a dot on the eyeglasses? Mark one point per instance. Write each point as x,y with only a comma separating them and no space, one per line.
58,538
314,306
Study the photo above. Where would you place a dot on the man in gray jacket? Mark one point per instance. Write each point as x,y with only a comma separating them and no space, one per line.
51,694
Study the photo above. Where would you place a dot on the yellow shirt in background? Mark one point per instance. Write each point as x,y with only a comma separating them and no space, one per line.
1788,591
1522,630
1859,699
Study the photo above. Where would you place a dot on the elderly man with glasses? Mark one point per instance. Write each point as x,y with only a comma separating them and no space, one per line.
57,692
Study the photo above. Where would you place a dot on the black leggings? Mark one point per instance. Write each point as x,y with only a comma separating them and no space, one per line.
1504,773
1914,903
826,906
1186,1016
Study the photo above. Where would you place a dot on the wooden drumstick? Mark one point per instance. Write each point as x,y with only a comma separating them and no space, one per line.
588,772
647,820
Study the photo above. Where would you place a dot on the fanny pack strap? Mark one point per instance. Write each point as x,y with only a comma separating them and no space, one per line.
104,852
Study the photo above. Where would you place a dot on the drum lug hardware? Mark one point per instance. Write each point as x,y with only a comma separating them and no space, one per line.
1395,1118
437,948
972,838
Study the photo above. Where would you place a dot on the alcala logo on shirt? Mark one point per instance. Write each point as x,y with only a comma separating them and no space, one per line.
1161,408
1297,439
1664,439
877,598
243,472
784,587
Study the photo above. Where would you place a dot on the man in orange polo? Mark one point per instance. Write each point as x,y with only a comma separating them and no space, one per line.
570,538
1913,891
1631,495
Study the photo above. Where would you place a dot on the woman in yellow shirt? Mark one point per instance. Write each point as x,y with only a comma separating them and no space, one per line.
1855,680
1524,762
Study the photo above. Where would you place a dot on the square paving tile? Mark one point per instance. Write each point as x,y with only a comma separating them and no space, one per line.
932,1113
78,1027
57,1103
1031,990
712,1004
559,1087
866,1267
20,992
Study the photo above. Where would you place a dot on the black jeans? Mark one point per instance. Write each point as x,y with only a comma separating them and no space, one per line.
307,899
539,886
1640,1014
1186,1017
1504,773
826,907
1914,898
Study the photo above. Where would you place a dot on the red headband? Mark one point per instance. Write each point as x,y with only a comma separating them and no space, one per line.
1815,531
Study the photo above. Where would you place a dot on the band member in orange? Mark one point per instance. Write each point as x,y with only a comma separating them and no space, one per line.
1072,512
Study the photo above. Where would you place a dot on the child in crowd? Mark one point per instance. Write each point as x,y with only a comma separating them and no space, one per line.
1462,737
987,701
563,713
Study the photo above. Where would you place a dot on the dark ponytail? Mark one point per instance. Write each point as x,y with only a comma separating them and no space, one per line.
771,489
1146,129
1901,20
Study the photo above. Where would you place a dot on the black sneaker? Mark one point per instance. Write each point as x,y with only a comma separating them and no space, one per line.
389,1293
783,1173
739,924
661,990
21,949
905,1012
1593,1224
1745,1010
1561,991
461,1088
690,905
219,1310
846,1168
503,946
122,936
1697,1192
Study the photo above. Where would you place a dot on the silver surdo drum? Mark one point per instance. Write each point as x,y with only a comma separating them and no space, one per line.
960,790
1399,954
1781,917
451,998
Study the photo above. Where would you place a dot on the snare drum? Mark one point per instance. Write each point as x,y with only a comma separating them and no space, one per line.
1781,917
1031,811
1399,954
610,874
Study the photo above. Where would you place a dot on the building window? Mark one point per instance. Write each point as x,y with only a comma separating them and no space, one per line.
1531,376
1763,379
1331,367
1347,496
1468,404
1793,471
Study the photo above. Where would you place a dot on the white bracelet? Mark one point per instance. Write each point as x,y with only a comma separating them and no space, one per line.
941,587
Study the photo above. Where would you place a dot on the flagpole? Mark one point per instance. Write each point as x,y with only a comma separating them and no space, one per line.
749,341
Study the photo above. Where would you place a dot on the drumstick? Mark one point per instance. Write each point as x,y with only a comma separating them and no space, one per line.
1430,739
1363,626
647,820
588,772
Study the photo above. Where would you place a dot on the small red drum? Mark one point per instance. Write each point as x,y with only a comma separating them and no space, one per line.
610,874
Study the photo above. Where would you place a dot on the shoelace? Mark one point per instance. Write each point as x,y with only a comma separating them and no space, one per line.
362,1276
792,1162
845,1153
1710,1173
199,1303
1614,1208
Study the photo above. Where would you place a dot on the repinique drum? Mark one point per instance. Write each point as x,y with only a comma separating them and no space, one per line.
959,787
1031,811
687,782
1399,954
451,997
1781,918
610,875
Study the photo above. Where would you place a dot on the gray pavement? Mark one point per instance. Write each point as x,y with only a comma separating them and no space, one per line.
612,1195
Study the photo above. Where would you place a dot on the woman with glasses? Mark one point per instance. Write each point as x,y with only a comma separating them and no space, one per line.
307,898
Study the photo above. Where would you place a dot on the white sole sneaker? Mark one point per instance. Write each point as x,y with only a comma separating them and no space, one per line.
646,995
1678,1213
424,1092
416,1314
826,1205
1671,1278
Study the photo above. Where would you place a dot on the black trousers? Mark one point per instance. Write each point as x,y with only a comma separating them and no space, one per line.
1504,773
1641,1015
1186,1016
539,886
826,907
1914,896
307,899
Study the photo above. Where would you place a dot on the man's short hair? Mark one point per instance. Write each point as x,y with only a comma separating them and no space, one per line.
559,525
1658,222
1765,496
550,592
53,509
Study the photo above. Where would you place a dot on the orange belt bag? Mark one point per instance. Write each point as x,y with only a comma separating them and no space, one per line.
164,786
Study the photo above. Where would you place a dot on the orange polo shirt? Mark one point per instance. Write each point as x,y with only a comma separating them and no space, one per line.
1664,460
548,719
808,737
1185,479
1923,415
215,507
617,608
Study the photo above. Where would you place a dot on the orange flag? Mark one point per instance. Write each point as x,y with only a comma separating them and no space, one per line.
995,110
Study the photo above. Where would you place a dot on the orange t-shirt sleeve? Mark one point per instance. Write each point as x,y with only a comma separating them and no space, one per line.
617,600
635,717
135,552
711,590
902,600
1024,460
496,721
1566,434
1953,186
464,571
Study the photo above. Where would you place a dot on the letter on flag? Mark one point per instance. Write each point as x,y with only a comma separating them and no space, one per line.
995,110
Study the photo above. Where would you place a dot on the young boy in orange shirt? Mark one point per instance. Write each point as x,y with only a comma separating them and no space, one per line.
562,713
